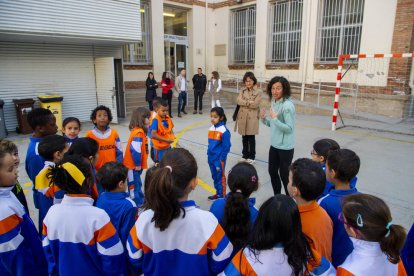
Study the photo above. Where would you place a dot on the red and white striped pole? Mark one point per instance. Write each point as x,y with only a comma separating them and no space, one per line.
339,76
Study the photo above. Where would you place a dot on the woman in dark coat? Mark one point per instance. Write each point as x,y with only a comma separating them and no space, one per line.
151,93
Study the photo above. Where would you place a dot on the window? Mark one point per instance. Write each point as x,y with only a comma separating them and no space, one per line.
285,31
140,53
243,35
339,31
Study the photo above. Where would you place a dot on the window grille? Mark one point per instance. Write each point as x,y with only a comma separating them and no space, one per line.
243,35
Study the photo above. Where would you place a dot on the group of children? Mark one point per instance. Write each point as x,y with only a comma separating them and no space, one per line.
94,218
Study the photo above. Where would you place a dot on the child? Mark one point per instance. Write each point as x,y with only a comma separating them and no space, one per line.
162,135
155,104
71,127
277,245
377,241
51,148
306,183
407,253
320,152
10,147
172,236
20,247
43,123
115,200
218,148
78,238
341,167
87,148
236,212
110,148
136,152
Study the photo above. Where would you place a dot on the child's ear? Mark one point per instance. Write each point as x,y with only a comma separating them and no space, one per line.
193,183
121,184
295,191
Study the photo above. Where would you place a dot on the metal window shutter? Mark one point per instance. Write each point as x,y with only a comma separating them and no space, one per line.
28,70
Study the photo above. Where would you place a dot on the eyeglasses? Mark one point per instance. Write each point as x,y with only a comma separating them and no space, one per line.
314,153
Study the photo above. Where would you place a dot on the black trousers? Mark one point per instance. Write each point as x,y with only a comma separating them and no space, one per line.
168,97
249,146
198,99
279,162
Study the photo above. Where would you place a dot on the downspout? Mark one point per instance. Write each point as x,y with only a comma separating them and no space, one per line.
305,70
411,85
205,39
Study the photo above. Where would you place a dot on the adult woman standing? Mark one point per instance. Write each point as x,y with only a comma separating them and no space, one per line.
214,87
281,120
152,86
247,120
166,85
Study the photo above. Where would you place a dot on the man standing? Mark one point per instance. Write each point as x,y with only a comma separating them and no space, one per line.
199,85
181,87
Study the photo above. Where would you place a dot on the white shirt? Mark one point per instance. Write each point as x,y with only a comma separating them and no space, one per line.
218,87
183,82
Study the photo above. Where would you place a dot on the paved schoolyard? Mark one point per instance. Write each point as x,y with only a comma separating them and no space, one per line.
387,167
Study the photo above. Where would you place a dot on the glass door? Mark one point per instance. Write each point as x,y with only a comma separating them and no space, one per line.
169,51
181,56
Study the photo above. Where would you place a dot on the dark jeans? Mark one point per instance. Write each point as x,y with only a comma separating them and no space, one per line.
182,101
249,146
198,99
150,105
168,97
279,162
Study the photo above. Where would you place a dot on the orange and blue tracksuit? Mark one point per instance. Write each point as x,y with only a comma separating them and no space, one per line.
194,244
20,246
152,116
110,148
136,154
163,128
273,262
79,239
34,163
367,258
218,148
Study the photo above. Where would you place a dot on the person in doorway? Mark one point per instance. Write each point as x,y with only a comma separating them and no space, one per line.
166,85
181,88
214,87
247,120
151,92
199,86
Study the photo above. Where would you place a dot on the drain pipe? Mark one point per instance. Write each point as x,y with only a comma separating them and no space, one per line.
411,85
305,69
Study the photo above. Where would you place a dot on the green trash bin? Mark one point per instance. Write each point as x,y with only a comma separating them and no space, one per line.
23,107
3,130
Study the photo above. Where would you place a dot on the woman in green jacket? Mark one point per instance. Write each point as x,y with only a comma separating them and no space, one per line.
281,120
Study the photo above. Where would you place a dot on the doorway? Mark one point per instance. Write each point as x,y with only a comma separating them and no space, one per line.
175,56
119,89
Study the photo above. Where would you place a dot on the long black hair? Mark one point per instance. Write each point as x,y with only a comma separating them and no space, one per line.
243,181
278,222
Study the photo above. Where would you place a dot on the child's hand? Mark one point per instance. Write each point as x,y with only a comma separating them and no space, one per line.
273,114
138,168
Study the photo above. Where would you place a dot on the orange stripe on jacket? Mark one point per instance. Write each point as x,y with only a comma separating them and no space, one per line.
136,242
241,263
401,269
163,132
215,135
213,241
107,231
9,223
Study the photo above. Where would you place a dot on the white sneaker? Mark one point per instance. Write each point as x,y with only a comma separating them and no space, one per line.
242,160
250,161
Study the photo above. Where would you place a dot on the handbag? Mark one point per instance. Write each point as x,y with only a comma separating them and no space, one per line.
236,111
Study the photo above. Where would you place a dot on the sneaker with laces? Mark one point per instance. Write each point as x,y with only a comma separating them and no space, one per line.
242,160
250,161
214,197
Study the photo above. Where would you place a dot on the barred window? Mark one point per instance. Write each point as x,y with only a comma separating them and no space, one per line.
340,26
140,53
243,35
285,29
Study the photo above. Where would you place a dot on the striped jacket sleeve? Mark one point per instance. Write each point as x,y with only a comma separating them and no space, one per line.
226,145
320,266
239,266
219,250
118,149
135,251
135,149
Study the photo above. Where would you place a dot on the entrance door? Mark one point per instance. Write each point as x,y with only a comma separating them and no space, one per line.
119,88
169,50
105,84
181,56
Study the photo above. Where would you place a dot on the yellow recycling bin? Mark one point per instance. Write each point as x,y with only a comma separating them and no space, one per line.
54,103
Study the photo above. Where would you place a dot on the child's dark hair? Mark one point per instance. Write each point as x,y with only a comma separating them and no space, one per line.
220,113
243,181
285,84
7,147
163,103
148,177
51,144
309,177
69,120
39,117
169,183
110,174
323,147
278,221
345,163
251,76
101,107
371,217
83,146
64,176
156,102
138,118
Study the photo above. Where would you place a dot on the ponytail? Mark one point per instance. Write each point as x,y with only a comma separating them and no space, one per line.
236,221
392,242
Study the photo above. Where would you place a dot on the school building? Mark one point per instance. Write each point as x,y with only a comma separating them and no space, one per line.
112,45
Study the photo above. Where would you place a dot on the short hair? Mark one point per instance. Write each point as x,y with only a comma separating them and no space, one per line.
251,76
156,102
200,68
7,147
110,174
101,107
39,117
163,103
285,84
182,69
345,163
51,144
69,120
309,177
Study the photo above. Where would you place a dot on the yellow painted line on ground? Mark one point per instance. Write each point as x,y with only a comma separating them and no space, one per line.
200,182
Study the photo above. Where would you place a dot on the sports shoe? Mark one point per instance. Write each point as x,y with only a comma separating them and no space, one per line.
250,161
200,112
179,115
214,197
195,112
242,160
183,111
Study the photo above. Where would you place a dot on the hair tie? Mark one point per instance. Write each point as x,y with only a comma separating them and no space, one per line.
359,221
74,172
388,225
254,179
238,191
169,167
